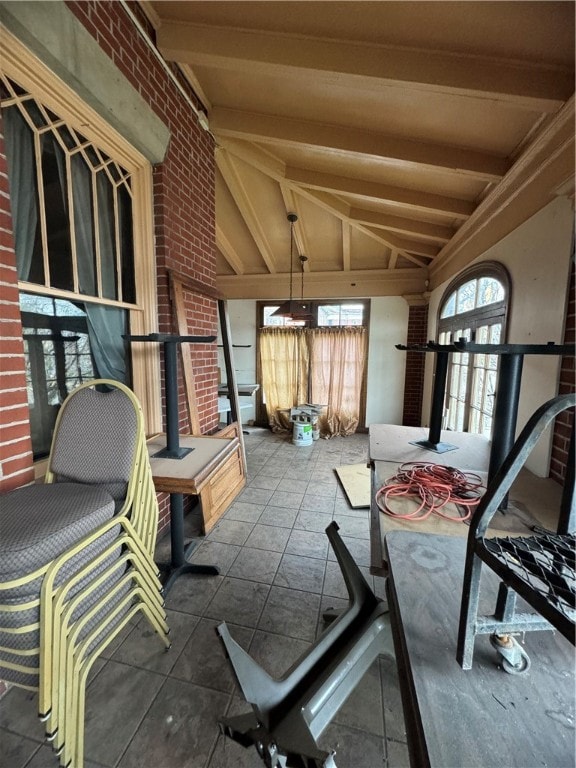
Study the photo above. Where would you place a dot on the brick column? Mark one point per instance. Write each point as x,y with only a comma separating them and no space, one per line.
415,361
564,422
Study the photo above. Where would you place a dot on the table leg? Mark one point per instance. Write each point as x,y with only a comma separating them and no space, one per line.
505,414
178,564
433,442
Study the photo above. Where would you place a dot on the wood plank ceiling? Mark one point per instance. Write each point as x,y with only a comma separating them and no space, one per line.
408,137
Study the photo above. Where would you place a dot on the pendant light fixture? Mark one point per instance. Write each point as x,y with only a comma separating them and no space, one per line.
293,308
301,311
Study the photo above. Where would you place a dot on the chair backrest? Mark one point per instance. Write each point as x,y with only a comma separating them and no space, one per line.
99,439
95,438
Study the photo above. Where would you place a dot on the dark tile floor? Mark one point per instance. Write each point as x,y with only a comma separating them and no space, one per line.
147,708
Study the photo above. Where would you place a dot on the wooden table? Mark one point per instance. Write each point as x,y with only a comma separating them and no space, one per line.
390,446
532,500
213,471
481,718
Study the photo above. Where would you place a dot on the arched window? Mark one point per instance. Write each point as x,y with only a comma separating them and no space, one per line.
474,307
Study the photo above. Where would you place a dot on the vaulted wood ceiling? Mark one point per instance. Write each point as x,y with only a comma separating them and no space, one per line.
408,137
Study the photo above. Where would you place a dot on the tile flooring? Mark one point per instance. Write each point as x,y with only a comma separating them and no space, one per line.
147,708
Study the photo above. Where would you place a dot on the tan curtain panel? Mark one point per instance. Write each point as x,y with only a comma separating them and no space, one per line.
284,360
337,361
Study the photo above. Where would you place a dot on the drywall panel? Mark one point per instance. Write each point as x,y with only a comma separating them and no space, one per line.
242,317
537,255
386,364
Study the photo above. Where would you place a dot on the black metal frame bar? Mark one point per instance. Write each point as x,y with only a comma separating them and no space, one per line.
477,550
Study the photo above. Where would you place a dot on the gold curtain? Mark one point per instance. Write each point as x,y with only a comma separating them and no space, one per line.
338,357
318,365
284,361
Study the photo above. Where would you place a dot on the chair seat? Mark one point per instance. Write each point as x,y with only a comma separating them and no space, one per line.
39,522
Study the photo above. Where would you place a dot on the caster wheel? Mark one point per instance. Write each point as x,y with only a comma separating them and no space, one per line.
520,668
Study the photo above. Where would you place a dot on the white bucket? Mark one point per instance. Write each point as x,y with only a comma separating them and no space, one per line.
302,434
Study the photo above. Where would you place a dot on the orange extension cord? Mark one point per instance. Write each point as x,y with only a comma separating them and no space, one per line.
434,486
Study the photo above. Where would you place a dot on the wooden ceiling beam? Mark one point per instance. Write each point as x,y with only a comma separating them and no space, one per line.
284,131
342,211
402,225
328,284
545,165
529,85
242,199
227,250
292,204
190,75
396,246
408,249
333,205
423,202
346,246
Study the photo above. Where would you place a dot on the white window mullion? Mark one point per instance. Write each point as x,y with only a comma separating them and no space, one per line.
42,207
73,250
118,246
96,223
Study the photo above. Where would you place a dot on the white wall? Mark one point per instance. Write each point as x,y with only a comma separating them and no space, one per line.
537,254
242,316
386,365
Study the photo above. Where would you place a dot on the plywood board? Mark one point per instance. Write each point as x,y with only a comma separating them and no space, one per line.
355,479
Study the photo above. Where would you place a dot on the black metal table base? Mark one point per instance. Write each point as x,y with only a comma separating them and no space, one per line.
178,565
179,551
170,572
436,447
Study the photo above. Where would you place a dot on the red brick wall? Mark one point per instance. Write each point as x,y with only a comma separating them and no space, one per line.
15,446
415,362
563,426
184,229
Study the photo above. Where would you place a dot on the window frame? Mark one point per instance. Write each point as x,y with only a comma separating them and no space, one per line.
489,315
314,305
260,408
20,65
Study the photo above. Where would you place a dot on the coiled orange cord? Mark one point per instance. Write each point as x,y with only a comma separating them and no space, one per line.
433,486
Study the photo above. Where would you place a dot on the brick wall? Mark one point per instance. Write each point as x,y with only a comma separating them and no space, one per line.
563,426
415,362
15,446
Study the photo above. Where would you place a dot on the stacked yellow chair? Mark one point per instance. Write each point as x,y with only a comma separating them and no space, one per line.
93,588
